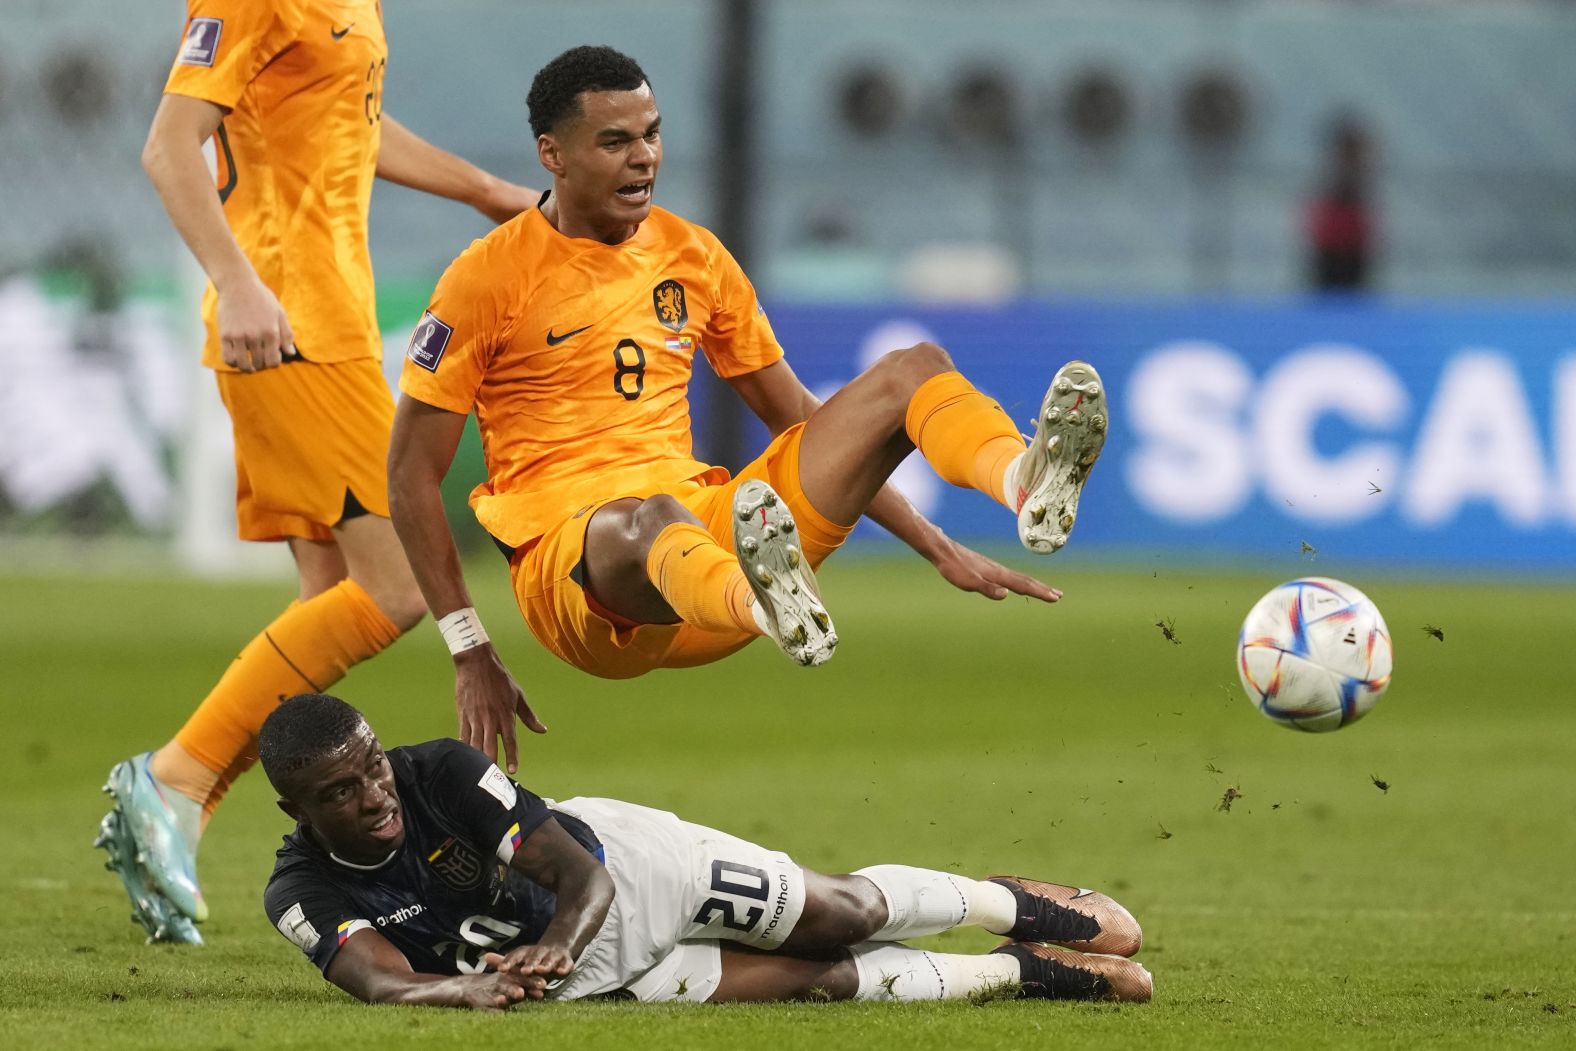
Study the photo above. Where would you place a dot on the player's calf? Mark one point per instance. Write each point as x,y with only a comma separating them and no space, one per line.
787,602
1045,482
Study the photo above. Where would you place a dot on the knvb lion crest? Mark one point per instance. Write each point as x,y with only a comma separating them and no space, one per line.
668,298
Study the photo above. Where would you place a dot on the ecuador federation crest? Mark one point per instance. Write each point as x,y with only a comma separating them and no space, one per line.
668,299
459,865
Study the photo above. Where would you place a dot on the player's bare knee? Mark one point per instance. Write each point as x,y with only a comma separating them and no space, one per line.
912,366
393,587
902,372
400,600
867,915
613,542
840,981
925,360
621,532
863,906
843,910
404,606
655,514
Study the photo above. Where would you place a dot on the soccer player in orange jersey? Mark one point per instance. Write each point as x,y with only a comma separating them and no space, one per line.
290,92
571,330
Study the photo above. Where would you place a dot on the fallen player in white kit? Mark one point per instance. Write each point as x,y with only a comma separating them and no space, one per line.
424,875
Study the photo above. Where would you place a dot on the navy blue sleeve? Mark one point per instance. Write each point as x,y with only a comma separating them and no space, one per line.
478,798
315,915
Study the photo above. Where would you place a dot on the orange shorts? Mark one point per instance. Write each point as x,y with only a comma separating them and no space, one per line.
547,576
306,435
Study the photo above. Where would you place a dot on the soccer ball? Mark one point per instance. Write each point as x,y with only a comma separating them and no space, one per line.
1314,654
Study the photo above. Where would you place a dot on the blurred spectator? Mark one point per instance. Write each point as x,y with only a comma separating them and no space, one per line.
829,263
1340,218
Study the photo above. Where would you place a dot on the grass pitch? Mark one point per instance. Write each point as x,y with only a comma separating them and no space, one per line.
1074,743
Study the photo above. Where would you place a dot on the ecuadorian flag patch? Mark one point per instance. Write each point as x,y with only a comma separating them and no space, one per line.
350,927
510,843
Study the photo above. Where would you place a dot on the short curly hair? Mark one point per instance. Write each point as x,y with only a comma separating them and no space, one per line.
555,91
301,731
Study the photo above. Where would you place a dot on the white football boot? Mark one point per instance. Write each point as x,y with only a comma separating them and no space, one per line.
1044,483
787,602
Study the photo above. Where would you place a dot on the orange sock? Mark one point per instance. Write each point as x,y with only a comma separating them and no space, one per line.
701,579
306,650
964,435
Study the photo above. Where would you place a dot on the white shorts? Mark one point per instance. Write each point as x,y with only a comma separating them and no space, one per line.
679,891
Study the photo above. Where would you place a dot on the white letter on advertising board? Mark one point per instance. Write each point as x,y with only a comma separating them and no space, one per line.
1479,442
1186,401
1329,380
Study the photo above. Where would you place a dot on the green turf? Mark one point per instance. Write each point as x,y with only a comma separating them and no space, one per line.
1073,743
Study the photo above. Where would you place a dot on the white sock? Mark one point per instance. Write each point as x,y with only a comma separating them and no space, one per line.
897,972
1009,482
992,906
761,620
924,901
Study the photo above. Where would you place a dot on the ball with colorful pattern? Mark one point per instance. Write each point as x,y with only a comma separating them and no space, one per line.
1314,654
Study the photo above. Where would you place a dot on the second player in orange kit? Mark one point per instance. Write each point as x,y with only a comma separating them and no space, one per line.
290,94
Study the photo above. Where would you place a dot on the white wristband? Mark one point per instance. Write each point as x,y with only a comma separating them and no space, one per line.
463,630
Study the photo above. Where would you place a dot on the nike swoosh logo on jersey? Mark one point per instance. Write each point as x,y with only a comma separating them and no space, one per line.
339,34
553,340
685,553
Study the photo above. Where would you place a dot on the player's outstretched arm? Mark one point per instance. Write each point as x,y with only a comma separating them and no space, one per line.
962,567
552,858
776,395
253,330
485,694
370,968
409,160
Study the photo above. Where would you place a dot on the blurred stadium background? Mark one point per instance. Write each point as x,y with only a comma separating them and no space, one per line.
1144,182
1322,252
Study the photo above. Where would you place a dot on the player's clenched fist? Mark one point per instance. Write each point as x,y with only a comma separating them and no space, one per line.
494,991
254,333
534,963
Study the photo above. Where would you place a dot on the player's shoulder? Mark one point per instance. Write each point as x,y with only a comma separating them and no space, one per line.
428,752
290,13
297,866
422,763
508,248
446,775
692,249
674,228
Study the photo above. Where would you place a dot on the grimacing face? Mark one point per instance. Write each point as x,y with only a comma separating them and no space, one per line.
605,162
348,800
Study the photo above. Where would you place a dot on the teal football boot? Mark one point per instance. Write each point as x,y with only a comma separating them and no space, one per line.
150,909
147,847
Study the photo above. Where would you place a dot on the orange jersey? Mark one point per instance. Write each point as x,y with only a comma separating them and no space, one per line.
576,357
303,83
